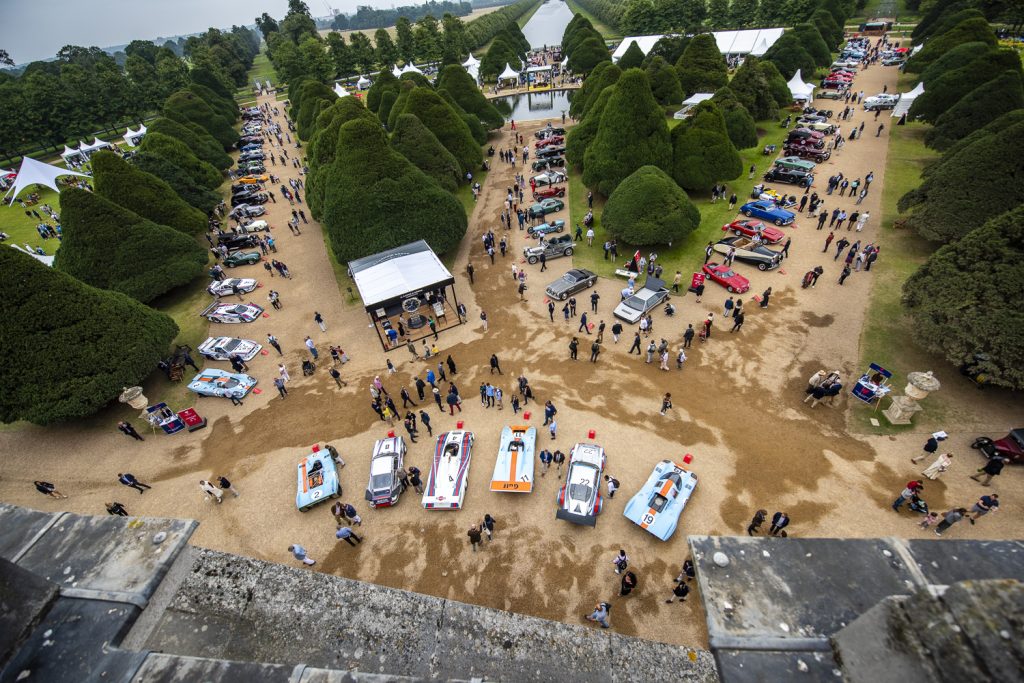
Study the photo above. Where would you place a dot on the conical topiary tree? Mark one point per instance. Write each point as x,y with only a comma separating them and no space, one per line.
812,40
789,55
194,194
195,138
603,75
968,31
950,87
203,76
107,341
399,106
702,153
323,145
476,129
632,58
588,54
377,199
980,106
416,143
664,82
777,85
186,107
738,122
830,31
457,81
751,88
382,82
702,67
959,56
387,101
313,93
616,154
648,207
582,135
178,152
226,108
145,194
445,123
108,246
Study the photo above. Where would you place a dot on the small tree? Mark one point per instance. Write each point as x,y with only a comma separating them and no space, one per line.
107,246
202,198
179,153
185,106
664,82
649,208
582,135
957,194
614,154
738,122
954,85
416,143
751,88
107,341
789,55
702,67
144,194
313,93
445,123
587,55
632,58
702,153
965,300
457,81
383,81
777,85
195,138
980,106
812,41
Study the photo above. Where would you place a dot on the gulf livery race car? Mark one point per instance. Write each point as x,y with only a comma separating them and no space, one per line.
657,506
446,483
580,500
513,470
231,313
223,348
384,486
318,479
213,382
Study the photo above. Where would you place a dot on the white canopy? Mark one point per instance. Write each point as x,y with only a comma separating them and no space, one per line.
907,99
45,259
131,137
396,72
390,275
698,97
799,89
538,69
363,82
471,61
474,71
34,172
753,41
96,144
410,69
508,73
68,152
340,91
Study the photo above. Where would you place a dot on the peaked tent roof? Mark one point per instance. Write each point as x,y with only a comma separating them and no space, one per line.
340,91
396,72
363,80
907,99
410,69
509,72
799,89
34,172
698,97
68,152
751,41
470,61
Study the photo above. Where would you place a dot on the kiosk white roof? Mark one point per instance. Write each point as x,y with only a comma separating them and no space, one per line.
391,274
509,72
748,42
799,89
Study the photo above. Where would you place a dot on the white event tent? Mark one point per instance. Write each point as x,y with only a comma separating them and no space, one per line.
509,74
132,137
34,172
363,83
472,66
690,102
799,89
907,99
747,42
340,91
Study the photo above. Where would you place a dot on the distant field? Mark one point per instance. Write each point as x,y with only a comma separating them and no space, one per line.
391,29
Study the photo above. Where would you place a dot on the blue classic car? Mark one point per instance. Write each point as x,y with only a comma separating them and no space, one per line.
318,479
213,382
767,211
657,506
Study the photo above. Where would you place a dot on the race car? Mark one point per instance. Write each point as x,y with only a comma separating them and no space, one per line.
513,470
231,313
657,505
545,228
546,192
580,500
254,179
768,211
385,487
227,287
223,348
727,277
317,479
213,382
446,482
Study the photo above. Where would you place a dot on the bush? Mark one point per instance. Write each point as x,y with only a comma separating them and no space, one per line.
313,94
965,300
416,143
937,13
387,101
145,194
69,349
603,75
378,200
830,31
702,67
789,55
195,138
476,129
738,122
632,58
403,95
225,108
418,80
499,54
445,123
383,81
965,189
582,135
202,198
952,86
751,88
323,145
777,85
950,19
107,246
457,81
587,55
702,153
969,31
187,107
664,82
649,208
811,39
632,133
178,152
958,57
203,76
978,107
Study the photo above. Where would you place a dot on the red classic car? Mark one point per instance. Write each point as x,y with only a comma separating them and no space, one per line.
840,76
553,140
545,192
727,277
748,228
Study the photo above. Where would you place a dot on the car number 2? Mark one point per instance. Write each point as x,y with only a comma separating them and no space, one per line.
316,495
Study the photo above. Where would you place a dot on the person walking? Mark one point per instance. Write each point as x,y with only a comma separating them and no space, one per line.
688,336
601,614
272,340
281,389
780,520
127,429
755,524
211,491
939,467
949,519
494,364
583,324
765,297
487,526
679,591
636,344
48,489
991,469
595,351
346,534
985,505
558,457
130,481
312,349
425,419
909,491
545,461
621,561
627,584
225,484
300,554
613,485
319,320
116,508
474,536
553,428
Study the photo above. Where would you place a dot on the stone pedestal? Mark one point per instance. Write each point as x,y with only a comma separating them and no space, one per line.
134,397
902,408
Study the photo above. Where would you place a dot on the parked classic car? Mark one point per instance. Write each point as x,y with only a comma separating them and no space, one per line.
550,163
445,486
548,132
1010,446
791,176
227,287
562,245
768,211
749,251
576,280
548,141
223,348
235,242
816,124
834,94
214,382
384,487
746,227
798,149
546,228
253,179
796,162
657,505
550,178
546,206
881,101
727,277
317,479
241,258
548,192
218,312
580,499
550,152
646,298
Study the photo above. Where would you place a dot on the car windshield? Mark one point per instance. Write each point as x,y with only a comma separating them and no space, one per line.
228,382
232,345
238,309
580,491
658,502
380,482
635,302
726,273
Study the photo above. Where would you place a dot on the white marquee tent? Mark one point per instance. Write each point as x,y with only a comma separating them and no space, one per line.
34,172
410,69
907,99
132,137
340,91
748,42
363,83
43,258
395,71
509,74
471,61
799,89
690,102
69,153
472,66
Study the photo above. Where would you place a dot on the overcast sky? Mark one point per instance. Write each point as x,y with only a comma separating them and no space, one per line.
36,29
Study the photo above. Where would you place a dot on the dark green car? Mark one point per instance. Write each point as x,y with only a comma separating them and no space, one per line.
241,258
542,208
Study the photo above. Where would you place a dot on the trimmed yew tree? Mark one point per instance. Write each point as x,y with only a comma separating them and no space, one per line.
648,207
702,153
416,143
145,194
447,125
195,138
580,136
664,82
632,58
978,107
463,89
738,122
702,67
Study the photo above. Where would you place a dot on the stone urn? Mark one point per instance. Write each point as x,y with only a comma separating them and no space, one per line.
134,397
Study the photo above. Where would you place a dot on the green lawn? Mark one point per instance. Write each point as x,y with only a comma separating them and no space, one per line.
22,228
688,254
599,26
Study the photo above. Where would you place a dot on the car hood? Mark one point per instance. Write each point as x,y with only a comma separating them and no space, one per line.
626,313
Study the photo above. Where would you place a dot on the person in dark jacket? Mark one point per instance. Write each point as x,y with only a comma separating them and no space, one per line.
780,520
991,469
756,522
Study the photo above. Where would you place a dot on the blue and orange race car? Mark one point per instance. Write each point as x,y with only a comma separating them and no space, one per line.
657,506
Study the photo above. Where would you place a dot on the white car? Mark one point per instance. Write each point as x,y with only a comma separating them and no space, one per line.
253,227
550,178
446,483
650,295
223,348
231,313
226,287
881,101
385,487
579,499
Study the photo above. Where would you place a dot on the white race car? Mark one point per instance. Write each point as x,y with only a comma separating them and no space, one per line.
231,313
226,287
223,348
446,483
579,499
212,382
550,178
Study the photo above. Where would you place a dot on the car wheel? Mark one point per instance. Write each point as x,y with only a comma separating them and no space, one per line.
303,509
568,251
981,442
532,260
762,266
563,296
229,265
559,228
778,222
747,213
730,289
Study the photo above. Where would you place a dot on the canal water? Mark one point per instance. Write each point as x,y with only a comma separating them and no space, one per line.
547,24
534,106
